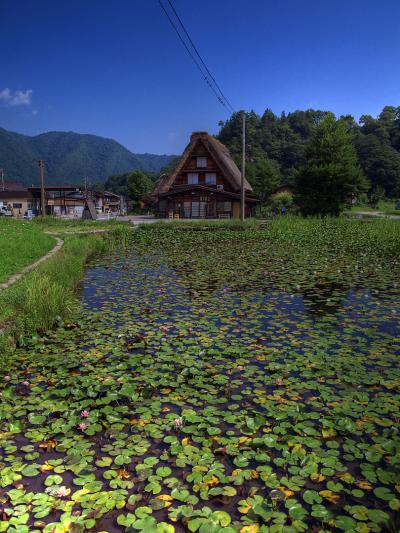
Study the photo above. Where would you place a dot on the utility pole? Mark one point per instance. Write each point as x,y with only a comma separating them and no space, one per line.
86,186
2,179
42,195
242,191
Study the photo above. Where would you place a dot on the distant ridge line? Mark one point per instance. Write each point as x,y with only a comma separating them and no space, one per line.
70,157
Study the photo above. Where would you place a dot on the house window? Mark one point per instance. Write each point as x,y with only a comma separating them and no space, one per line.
195,209
211,178
186,209
17,206
201,162
224,207
193,178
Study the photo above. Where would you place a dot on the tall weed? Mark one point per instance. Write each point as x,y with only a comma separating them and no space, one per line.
41,298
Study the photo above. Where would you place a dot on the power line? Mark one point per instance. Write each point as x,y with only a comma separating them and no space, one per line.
199,56
212,83
193,57
220,97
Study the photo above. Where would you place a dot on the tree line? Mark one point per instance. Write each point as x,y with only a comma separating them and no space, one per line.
327,160
323,158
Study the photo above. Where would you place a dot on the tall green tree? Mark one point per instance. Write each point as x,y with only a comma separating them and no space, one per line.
380,162
331,173
378,148
284,139
264,177
139,184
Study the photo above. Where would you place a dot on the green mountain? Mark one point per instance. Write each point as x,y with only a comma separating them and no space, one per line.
69,157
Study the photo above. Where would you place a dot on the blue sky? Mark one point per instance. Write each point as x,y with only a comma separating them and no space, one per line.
117,69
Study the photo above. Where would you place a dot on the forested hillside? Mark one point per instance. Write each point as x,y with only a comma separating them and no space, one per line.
276,144
69,157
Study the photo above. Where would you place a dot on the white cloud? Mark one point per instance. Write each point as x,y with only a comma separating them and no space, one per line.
16,98
35,112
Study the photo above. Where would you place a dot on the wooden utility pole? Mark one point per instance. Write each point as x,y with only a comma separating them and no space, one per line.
42,195
2,179
242,191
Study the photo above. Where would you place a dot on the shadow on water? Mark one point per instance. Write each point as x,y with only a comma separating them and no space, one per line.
325,297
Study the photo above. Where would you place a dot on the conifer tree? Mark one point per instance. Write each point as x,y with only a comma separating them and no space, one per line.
330,174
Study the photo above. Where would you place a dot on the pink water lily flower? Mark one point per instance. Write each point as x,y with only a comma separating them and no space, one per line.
82,426
7,378
26,383
62,492
178,423
84,414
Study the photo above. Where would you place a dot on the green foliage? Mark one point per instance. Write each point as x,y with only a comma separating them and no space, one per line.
278,201
66,225
15,254
139,184
330,174
69,157
377,195
47,294
264,177
380,162
118,183
384,207
284,139
186,397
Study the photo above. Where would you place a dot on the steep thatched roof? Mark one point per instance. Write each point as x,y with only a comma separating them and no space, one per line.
217,150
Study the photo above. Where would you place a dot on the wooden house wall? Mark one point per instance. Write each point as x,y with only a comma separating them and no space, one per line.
202,204
191,166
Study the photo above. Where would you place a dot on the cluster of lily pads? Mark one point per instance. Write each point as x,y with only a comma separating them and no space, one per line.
216,381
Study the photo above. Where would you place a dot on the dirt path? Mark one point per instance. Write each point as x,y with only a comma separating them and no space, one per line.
15,277
376,214
55,233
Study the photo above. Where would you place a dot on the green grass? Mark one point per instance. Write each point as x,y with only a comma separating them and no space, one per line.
388,207
231,223
21,244
60,225
46,295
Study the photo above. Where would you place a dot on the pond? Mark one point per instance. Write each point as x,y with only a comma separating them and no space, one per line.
186,399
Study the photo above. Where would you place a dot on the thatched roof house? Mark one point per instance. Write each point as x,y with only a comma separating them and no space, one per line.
205,183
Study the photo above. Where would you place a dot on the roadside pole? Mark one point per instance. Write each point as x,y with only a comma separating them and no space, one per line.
42,195
242,192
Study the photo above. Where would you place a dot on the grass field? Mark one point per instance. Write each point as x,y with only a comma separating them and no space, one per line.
215,381
47,295
21,243
387,207
71,225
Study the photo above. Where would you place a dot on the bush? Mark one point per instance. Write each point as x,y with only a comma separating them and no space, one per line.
376,196
284,199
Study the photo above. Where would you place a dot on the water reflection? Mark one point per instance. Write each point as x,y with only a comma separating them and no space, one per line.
156,292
